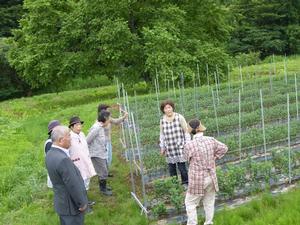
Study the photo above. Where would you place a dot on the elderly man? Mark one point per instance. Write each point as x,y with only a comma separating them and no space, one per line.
70,198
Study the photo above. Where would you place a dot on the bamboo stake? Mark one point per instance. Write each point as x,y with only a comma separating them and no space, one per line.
263,124
289,137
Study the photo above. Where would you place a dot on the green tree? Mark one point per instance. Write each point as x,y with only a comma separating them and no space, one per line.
60,40
38,49
266,26
10,84
10,13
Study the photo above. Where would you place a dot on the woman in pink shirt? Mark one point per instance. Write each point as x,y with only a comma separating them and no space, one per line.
79,151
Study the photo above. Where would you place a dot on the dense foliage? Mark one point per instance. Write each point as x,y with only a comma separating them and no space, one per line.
270,27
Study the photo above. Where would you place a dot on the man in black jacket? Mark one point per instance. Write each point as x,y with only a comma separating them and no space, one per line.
70,198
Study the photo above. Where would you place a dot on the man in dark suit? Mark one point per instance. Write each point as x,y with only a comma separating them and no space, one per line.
70,198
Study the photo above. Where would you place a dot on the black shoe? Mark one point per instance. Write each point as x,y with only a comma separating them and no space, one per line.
103,188
91,203
106,192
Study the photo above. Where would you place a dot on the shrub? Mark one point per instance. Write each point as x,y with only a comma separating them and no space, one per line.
246,59
159,209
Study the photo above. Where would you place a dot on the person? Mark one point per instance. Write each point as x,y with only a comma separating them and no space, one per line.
107,130
70,197
97,147
79,152
201,153
48,143
173,136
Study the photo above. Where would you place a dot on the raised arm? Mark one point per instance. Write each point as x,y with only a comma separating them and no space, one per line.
220,149
116,121
119,120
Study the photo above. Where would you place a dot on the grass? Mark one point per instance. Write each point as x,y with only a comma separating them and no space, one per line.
265,68
269,210
24,198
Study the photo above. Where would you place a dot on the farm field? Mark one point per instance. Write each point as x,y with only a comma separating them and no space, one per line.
257,118
25,198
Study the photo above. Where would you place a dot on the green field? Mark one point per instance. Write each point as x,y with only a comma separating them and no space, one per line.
25,199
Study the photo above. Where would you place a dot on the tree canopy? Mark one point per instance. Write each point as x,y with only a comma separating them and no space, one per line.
59,40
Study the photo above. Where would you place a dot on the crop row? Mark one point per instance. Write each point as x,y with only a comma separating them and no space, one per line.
206,97
149,120
234,180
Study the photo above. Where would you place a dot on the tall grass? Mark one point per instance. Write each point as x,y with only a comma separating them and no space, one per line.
280,210
24,197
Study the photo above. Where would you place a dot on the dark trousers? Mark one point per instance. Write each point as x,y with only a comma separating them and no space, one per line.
72,220
182,169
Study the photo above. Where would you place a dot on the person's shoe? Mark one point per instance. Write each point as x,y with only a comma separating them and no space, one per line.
185,187
103,188
91,203
106,192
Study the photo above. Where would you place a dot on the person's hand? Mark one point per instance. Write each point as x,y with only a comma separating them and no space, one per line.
82,209
125,115
162,152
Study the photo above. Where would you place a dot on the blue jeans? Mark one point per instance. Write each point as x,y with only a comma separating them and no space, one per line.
109,153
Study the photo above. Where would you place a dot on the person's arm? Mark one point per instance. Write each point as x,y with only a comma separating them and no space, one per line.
74,186
119,120
220,149
184,127
161,139
48,146
186,152
92,135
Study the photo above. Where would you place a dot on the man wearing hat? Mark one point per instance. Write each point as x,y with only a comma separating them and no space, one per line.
51,125
48,143
201,153
79,151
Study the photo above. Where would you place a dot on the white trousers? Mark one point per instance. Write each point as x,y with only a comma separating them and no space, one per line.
192,201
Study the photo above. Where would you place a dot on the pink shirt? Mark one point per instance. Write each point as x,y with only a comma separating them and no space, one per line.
201,154
79,154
